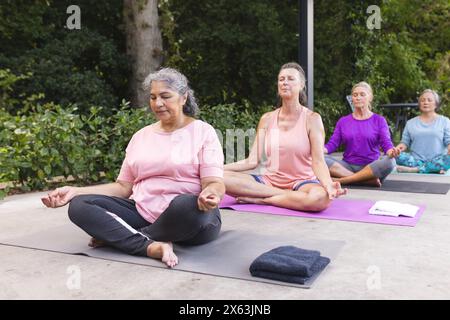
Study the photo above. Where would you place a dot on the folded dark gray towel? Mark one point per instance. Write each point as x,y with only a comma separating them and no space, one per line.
288,264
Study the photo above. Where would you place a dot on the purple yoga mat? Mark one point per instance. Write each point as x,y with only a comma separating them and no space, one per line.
340,209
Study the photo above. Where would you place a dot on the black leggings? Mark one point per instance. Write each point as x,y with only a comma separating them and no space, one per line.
117,222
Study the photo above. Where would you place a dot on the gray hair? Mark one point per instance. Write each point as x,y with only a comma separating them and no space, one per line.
178,82
437,99
366,86
302,98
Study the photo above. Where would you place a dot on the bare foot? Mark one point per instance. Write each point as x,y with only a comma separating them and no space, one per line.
375,182
163,251
95,243
250,200
407,169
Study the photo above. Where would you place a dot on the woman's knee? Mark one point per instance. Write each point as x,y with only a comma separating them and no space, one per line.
184,202
406,159
387,163
78,208
446,161
383,167
205,235
205,229
184,208
318,200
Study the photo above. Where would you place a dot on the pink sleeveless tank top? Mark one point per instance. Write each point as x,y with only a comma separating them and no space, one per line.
289,160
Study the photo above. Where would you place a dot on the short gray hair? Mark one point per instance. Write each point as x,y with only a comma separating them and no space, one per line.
437,99
178,82
366,86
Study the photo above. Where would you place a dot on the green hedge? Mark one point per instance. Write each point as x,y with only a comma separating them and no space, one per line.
56,141
89,148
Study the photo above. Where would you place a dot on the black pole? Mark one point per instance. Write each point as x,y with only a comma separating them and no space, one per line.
306,45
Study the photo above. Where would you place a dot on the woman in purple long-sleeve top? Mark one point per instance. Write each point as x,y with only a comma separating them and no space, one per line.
362,133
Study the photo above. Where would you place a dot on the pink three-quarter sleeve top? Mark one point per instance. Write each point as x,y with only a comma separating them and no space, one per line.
163,165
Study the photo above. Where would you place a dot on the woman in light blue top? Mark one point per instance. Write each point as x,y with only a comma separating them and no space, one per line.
428,138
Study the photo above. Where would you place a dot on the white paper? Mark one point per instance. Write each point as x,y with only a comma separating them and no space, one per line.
392,208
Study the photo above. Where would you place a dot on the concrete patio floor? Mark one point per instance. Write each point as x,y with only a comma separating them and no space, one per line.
377,261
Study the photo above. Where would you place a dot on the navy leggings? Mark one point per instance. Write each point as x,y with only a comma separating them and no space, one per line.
117,222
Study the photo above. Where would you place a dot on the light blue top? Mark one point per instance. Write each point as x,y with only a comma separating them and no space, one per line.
427,140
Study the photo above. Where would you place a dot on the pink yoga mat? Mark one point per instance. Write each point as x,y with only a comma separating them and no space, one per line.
340,209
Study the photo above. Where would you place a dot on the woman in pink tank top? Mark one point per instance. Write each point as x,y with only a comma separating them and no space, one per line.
295,175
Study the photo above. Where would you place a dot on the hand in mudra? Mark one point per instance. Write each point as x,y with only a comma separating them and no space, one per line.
59,197
335,190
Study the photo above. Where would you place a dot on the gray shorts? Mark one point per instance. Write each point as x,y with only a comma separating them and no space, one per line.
381,168
258,178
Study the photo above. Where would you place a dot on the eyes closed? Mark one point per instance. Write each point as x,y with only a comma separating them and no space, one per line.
165,97
281,79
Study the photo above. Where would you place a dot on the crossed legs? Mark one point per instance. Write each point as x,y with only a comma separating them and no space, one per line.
310,197
116,222
372,174
406,162
365,176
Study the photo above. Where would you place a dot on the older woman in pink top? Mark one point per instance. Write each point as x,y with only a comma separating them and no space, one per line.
168,188
295,175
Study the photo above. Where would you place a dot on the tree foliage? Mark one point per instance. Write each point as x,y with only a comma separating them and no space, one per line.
83,67
71,85
231,50
409,53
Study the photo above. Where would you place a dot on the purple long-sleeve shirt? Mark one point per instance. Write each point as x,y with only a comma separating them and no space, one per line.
362,138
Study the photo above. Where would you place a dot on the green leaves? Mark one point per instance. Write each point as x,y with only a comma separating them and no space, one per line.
231,50
230,119
36,148
397,60
56,142
84,67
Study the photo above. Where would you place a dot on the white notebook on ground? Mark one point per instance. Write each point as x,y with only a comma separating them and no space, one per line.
394,209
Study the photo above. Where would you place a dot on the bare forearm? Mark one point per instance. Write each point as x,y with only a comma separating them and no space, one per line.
110,189
242,165
322,172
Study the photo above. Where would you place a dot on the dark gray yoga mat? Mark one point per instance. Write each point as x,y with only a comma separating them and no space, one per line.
228,256
408,186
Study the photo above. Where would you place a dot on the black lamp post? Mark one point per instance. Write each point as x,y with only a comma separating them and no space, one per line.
306,45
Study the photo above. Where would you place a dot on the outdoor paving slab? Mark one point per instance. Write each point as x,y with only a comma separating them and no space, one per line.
376,262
